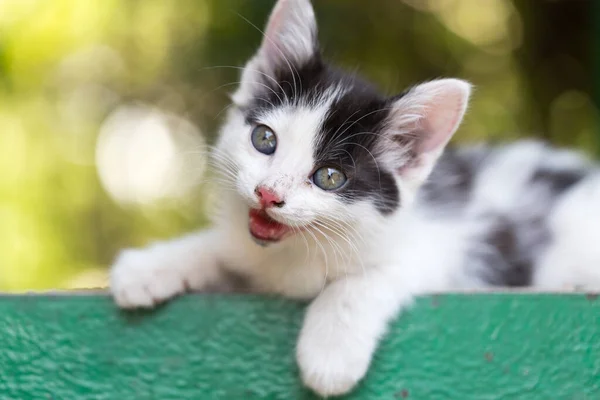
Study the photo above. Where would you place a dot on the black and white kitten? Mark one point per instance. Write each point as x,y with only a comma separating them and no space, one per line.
334,191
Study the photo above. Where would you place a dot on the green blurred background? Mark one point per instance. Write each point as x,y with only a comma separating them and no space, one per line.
106,106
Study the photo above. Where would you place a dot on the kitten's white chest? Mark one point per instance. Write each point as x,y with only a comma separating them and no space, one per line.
297,271
291,274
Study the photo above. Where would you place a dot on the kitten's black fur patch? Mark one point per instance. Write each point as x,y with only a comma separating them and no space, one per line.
350,134
451,181
293,84
558,180
507,262
509,245
351,129
504,250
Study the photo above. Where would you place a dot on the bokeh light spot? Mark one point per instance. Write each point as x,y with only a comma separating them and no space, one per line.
144,155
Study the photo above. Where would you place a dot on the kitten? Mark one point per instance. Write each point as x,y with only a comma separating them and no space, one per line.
331,192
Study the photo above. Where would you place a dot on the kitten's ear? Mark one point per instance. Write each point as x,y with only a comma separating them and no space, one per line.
290,40
291,33
421,123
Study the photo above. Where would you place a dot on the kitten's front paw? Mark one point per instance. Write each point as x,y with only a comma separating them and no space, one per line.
332,360
143,279
331,367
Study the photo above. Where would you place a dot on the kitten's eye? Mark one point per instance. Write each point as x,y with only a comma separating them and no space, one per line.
328,178
263,139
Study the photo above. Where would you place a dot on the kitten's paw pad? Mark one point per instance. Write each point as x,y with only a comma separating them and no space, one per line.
141,279
329,367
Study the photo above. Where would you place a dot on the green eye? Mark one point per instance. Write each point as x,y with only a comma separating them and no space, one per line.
328,178
264,139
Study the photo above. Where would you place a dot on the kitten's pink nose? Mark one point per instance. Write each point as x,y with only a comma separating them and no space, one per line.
268,198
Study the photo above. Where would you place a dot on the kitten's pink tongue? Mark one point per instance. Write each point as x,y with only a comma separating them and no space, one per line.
263,227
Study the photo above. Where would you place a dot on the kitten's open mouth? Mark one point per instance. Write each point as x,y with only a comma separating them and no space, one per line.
266,229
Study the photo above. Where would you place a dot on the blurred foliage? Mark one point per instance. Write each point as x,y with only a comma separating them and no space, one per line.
68,65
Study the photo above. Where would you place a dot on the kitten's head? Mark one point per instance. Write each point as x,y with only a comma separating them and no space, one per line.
311,147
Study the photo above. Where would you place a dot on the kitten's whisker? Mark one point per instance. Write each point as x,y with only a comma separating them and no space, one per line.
287,61
365,116
249,69
271,89
374,159
330,243
316,240
335,134
333,245
351,158
340,232
344,225
224,109
379,136
299,232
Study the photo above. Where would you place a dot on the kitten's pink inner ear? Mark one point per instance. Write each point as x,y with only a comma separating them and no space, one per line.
442,106
269,45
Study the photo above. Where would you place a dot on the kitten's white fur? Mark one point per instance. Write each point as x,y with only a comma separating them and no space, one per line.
362,268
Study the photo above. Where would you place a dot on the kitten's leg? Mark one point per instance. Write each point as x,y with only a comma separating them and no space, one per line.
146,277
342,328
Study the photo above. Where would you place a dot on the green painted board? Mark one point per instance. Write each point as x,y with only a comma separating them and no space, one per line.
452,346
